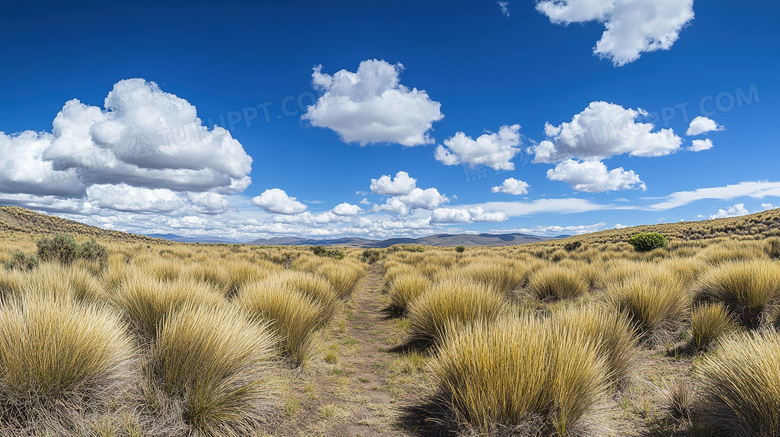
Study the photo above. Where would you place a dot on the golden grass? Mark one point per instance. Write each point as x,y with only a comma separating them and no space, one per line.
740,386
709,322
292,315
502,277
146,301
523,374
63,364
216,365
56,280
342,275
556,283
610,334
655,303
747,289
405,288
314,286
454,301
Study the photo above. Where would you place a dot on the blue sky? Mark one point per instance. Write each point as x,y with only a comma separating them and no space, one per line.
525,116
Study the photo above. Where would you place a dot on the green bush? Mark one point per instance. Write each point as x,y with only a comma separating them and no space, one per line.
648,242
92,251
460,249
62,248
332,253
371,256
22,261
572,246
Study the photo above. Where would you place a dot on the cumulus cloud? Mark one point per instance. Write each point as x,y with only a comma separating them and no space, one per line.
632,27
346,209
604,130
495,150
389,186
371,106
766,206
732,211
554,230
593,177
504,7
701,125
417,198
701,145
471,215
276,201
542,206
512,186
145,145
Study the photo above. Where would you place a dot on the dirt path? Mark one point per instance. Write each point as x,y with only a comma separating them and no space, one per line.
358,384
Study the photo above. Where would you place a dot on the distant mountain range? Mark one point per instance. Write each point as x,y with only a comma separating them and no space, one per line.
440,240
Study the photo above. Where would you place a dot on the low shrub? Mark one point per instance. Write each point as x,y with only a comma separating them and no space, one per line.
65,250
648,241
460,249
21,261
370,256
572,246
324,252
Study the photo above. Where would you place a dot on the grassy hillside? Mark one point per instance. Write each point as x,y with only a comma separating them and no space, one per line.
755,226
14,219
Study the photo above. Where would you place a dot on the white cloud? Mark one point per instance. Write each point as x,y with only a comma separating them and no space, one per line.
276,201
701,125
146,151
371,106
603,130
766,206
756,190
701,145
472,215
593,177
732,211
542,206
512,186
346,209
123,197
632,27
388,186
418,198
494,150
619,226
504,6
554,231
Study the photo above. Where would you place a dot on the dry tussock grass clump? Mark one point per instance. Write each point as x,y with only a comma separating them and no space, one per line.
212,274
209,372
740,387
314,286
709,323
292,315
732,251
522,376
655,302
502,277
146,301
556,283
56,280
405,288
64,365
394,270
610,334
454,301
342,275
747,289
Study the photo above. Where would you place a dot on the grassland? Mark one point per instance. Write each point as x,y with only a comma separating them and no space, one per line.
535,340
